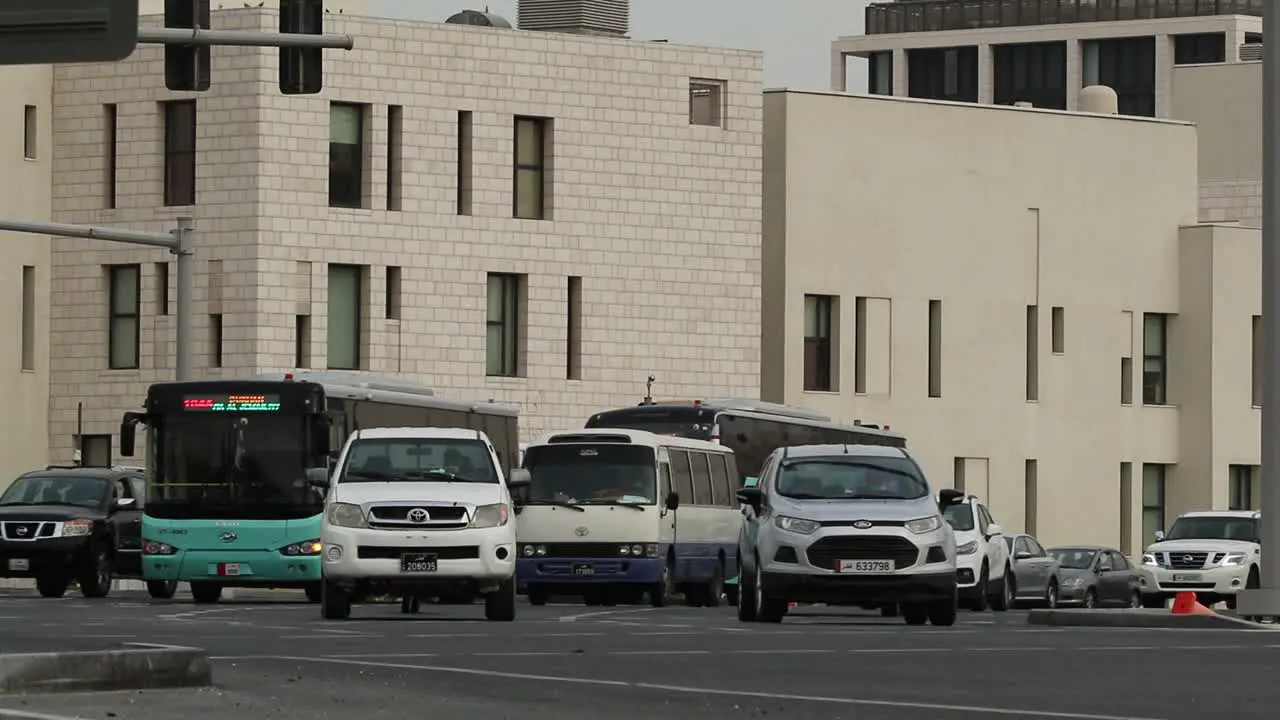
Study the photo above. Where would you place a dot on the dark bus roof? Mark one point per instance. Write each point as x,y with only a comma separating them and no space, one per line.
212,386
753,409
721,404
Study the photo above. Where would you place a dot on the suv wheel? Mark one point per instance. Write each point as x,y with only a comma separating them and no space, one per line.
335,601
95,577
51,585
769,609
979,601
915,613
500,605
1051,596
746,596
1006,587
537,596
942,613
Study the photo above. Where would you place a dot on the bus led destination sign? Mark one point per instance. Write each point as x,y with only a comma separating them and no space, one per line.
231,403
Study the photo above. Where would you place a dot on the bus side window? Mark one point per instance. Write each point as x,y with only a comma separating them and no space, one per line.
735,480
721,491
701,477
664,480
681,476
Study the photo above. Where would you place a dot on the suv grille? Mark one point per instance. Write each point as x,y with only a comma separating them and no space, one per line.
1187,560
21,531
828,551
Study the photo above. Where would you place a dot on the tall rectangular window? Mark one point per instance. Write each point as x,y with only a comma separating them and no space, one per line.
123,316
1033,353
1126,65
530,181
110,142
880,73
464,162
345,295
1034,73
215,340
1126,509
935,348
302,341
1240,494
1058,330
180,152
943,73
346,155
1155,347
860,345
392,300
502,326
395,155
1031,495
1126,381
30,131
162,288
28,317
1153,500
1258,362
819,311
573,329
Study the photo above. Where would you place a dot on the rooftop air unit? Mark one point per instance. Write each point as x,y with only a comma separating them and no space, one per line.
608,18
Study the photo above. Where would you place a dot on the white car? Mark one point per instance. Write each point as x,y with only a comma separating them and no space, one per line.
982,557
419,512
1213,554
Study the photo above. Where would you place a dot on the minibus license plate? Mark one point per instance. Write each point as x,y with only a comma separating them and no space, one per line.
418,563
19,564
583,570
864,567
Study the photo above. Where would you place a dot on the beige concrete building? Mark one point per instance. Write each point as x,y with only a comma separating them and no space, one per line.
1045,320
539,218
1225,103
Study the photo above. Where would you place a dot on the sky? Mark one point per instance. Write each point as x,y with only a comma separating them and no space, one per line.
795,35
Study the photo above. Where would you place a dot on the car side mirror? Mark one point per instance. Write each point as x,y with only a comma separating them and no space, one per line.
1101,569
126,503
948,497
1022,555
1159,535
673,501
518,483
752,496
994,530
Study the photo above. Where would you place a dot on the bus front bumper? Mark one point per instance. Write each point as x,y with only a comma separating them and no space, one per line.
234,568
566,574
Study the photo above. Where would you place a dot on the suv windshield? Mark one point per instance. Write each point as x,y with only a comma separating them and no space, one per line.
592,474
90,492
1211,527
1074,558
850,477
960,517
418,459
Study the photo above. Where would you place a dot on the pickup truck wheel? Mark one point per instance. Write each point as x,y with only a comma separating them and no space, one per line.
537,596
162,589
915,613
335,602
95,578
890,610
51,586
205,593
313,592
500,605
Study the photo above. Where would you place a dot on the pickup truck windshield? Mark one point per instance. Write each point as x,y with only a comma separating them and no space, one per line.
419,459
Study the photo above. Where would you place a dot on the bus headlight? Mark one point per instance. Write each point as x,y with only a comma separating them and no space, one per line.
310,547
151,547
489,516
346,515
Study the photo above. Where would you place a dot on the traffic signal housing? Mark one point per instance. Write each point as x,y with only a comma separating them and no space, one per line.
301,69
186,67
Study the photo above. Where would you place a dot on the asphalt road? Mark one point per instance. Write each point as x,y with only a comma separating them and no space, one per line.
569,662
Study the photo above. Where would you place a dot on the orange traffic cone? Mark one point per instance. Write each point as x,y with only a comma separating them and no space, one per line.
1185,603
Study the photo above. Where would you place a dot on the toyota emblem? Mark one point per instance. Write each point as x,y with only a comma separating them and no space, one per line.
228,537
862,524
581,531
419,515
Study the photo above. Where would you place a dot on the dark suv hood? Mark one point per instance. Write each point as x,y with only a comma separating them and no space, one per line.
48,512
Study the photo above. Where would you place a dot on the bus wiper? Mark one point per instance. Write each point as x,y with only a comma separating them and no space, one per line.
634,506
557,503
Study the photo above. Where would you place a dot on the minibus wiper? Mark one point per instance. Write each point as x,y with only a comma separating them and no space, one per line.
635,506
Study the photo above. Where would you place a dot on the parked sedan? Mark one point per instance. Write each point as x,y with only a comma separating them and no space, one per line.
1096,577
1036,577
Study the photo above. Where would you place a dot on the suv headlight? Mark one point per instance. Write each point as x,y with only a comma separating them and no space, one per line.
968,548
797,525
924,524
77,528
1149,559
488,516
1234,559
346,515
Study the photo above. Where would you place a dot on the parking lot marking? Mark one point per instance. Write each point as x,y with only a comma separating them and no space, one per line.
602,613
27,715
862,702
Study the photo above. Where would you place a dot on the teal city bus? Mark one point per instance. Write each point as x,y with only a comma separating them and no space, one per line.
236,470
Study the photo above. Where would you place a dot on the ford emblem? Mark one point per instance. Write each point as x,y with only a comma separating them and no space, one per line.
862,524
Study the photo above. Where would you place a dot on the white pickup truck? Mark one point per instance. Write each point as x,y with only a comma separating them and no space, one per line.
419,512
1211,553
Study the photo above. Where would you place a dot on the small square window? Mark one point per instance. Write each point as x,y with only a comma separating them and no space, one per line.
706,102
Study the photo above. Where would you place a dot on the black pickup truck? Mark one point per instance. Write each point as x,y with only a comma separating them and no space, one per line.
60,525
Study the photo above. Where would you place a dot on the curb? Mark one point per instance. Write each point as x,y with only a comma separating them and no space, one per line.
131,667
1139,618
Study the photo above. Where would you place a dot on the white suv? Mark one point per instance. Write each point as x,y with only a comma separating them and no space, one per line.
846,524
419,511
1213,554
982,557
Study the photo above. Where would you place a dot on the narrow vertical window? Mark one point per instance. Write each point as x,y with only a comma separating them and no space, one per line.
28,317
529,200
1031,495
180,153
162,288
1058,330
302,341
935,348
1126,381
346,155
818,313
392,300
110,144
345,293
1126,509
395,155
502,326
1153,500
30,131
215,340
123,317
1257,379
1033,353
860,345
464,162
1155,379
573,329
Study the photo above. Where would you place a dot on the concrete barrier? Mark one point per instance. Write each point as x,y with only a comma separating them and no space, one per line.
1140,618
130,667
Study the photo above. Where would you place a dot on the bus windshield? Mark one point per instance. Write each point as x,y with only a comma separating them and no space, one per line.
232,466
592,474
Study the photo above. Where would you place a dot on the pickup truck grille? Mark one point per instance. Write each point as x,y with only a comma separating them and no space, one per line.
404,516
826,552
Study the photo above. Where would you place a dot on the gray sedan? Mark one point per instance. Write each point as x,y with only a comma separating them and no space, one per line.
1036,577
1096,577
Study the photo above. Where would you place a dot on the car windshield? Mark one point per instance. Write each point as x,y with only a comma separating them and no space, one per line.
1214,527
850,477
960,517
1074,558
596,473
419,459
90,492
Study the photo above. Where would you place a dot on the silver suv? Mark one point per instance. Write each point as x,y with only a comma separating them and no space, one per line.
846,524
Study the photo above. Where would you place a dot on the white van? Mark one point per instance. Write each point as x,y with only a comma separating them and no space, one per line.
617,514
418,511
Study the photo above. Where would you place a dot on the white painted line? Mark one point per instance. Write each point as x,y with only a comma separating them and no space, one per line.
602,613
510,654
864,702
352,656
158,646
27,715
329,637
450,635
659,652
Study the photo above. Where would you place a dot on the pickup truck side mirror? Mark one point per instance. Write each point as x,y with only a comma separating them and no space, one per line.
318,478
672,501
994,530
518,483
126,503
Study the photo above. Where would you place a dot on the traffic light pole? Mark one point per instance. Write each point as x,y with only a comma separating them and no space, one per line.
241,38
178,241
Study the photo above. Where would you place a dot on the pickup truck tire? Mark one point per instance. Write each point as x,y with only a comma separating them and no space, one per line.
335,602
500,605
52,586
95,577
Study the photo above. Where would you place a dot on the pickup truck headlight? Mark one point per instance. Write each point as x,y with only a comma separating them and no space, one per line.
1235,559
346,515
77,528
490,516
797,525
924,524
968,548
